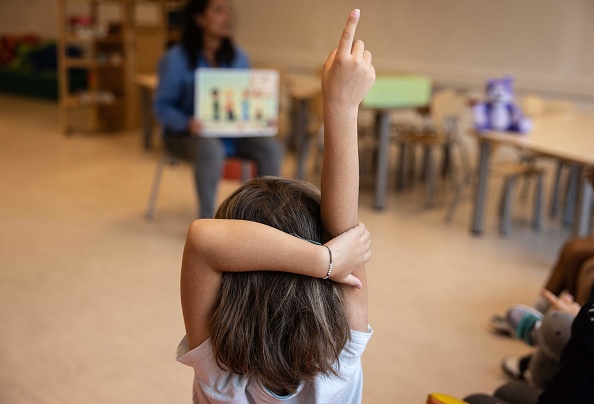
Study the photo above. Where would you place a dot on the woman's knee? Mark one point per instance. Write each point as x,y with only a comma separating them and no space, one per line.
266,152
210,152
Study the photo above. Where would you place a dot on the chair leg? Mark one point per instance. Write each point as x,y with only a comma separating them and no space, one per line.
556,190
425,163
570,200
429,177
525,190
402,151
446,163
412,164
150,211
246,171
538,203
460,185
507,205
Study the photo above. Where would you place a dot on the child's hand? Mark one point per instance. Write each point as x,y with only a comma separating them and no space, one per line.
562,303
348,73
350,250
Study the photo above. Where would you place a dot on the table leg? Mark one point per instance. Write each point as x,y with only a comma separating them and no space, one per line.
381,184
147,118
480,196
581,219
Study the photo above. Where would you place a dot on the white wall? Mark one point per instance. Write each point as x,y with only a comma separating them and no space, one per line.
546,44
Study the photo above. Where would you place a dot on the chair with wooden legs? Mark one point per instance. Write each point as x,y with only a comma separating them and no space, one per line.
446,109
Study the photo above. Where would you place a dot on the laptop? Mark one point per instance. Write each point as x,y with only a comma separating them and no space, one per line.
237,102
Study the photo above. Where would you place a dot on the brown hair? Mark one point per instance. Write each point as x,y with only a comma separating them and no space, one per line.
277,328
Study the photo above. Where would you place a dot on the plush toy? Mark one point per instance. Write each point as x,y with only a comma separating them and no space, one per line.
499,112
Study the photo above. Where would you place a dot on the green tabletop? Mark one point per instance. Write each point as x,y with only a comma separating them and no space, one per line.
398,91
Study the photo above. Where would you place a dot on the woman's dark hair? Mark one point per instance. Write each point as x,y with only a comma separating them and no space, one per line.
277,328
193,37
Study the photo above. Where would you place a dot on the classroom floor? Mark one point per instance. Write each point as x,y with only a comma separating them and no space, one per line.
89,301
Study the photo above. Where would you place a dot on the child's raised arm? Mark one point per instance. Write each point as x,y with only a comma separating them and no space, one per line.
347,77
214,246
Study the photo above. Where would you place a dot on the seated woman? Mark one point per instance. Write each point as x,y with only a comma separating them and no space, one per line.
206,42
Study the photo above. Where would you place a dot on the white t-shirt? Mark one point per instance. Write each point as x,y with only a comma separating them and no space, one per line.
214,385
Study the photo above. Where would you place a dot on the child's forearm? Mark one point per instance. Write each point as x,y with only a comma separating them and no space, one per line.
340,170
242,246
347,76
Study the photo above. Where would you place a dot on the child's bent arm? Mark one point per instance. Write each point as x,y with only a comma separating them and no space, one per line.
348,74
214,246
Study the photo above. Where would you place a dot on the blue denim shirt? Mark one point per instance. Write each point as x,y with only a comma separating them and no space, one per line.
174,96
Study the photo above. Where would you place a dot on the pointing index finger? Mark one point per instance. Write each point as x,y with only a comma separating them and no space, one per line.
348,34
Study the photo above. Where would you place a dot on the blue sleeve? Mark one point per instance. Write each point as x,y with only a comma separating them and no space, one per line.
169,93
241,59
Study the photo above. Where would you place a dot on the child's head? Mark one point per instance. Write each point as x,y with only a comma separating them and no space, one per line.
278,328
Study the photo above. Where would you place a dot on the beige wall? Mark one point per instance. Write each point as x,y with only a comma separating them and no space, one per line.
28,16
546,44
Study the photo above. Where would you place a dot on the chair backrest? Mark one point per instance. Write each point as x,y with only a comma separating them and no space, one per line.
447,104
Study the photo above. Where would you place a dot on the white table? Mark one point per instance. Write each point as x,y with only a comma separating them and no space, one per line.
567,136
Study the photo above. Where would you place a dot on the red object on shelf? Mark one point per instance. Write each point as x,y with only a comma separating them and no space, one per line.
232,169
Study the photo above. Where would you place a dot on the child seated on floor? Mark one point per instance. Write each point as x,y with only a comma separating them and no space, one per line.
270,312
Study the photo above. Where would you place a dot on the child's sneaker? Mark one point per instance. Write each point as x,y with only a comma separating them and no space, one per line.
517,367
524,322
499,325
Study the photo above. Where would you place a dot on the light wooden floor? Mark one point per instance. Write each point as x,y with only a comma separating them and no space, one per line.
89,305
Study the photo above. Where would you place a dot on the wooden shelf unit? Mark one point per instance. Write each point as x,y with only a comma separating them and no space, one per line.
115,50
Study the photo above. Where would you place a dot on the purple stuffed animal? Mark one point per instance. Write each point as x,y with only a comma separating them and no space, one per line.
499,111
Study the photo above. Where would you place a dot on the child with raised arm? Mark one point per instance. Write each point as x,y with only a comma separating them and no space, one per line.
274,311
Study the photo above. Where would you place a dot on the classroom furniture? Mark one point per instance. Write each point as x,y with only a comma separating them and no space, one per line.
512,173
147,83
392,93
306,116
115,46
566,137
447,109
235,169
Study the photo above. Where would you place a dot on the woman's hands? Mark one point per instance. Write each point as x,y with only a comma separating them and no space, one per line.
348,73
350,250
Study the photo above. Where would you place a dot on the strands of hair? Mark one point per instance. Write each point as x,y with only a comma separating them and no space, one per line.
193,37
276,328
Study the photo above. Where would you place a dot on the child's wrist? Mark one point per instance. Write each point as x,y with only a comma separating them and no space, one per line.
344,111
329,271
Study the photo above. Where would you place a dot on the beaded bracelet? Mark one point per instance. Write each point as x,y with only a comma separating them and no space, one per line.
320,244
330,265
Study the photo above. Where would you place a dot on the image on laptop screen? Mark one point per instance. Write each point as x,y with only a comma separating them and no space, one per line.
237,102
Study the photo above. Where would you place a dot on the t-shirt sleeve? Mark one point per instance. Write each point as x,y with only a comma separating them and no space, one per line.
350,357
347,387
214,381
